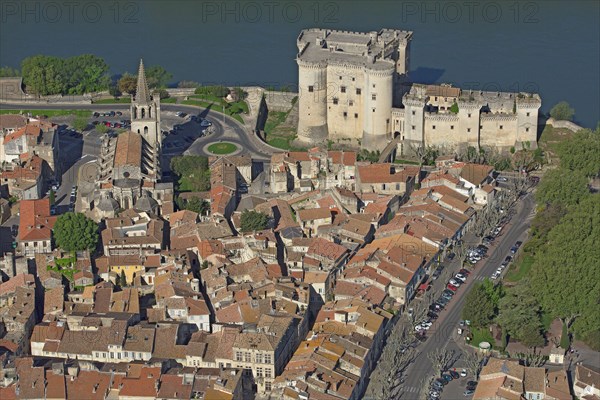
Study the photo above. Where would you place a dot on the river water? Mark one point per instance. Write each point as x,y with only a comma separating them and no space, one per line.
550,47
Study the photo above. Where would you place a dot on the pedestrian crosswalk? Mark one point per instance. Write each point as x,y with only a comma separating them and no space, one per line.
411,389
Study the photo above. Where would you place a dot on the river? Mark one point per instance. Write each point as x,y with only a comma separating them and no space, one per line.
550,47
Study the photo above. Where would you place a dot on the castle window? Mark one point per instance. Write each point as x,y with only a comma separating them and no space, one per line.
469,115
145,130
345,114
435,98
451,126
528,114
350,103
335,100
343,89
480,127
387,121
355,115
143,113
413,127
358,91
501,126
373,110
433,127
340,78
526,129
373,86
352,79
373,97
468,129
150,112
413,112
311,88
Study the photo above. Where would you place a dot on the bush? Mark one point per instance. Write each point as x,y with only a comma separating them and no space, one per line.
454,108
217,91
562,112
254,221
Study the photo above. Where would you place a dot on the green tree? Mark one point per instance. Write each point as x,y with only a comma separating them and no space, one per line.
479,308
127,84
123,280
193,173
581,153
114,91
52,197
101,128
8,72
562,186
254,221
75,232
157,77
194,204
454,108
519,315
562,112
80,124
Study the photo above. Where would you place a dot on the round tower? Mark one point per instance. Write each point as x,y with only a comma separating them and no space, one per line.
312,98
377,112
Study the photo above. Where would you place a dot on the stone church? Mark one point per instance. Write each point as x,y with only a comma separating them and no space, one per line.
129,170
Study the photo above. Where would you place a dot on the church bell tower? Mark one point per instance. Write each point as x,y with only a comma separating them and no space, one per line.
145,112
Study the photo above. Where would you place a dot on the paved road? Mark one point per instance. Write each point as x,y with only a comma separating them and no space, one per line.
226,128
444,329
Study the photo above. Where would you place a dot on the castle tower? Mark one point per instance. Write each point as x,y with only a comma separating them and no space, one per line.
145,112
377,107
469,121
312,90
527,108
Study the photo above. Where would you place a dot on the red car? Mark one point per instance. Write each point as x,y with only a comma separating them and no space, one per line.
452,287
465,272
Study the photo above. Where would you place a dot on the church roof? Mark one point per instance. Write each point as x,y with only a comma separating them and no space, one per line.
142,94
128,150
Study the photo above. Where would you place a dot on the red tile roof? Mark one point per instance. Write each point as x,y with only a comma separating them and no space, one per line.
36,221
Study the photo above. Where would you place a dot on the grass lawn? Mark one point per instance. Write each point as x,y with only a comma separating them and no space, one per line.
171,100
273,120
222,148
521,269
481,335
50,113
218,107
120,100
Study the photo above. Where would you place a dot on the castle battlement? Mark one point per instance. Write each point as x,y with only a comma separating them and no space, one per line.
498,117
441,117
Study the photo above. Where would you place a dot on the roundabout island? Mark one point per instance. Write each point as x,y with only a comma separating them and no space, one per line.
222,148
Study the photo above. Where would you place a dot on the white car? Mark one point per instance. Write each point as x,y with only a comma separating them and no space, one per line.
501,179
426,324
463,373
460,277
454,282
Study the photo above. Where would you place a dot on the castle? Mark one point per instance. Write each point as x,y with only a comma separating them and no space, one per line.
354,86
129,170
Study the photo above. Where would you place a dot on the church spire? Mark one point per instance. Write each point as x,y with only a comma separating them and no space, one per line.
142,95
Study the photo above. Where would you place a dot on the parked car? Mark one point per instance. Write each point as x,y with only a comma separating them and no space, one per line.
471,384
452,287
432,315
441,381
465,272
469,392
455,282
95,114
501,179
119,113
460,277
463,372
454,374
205,123
447,377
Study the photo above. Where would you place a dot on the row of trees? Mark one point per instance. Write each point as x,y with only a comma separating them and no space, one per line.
564,245
86,73
48,75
